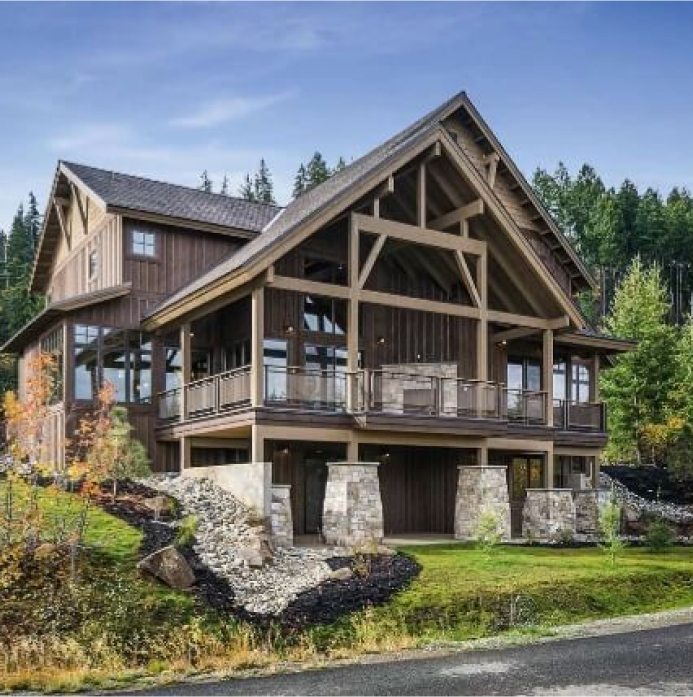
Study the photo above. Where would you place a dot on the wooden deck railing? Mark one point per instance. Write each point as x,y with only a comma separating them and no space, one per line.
376,391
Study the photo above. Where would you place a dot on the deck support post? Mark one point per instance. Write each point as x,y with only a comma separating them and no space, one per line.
257,368
547,381
186,368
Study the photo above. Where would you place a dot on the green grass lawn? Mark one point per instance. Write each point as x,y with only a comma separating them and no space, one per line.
462,593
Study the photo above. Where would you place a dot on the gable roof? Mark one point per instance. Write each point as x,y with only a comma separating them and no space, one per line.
128,194
172,200
309,205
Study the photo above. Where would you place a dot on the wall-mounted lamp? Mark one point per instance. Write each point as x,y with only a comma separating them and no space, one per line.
289,328
418,358
381,341
504,343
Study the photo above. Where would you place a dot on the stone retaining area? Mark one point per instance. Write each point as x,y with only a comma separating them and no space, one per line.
548,515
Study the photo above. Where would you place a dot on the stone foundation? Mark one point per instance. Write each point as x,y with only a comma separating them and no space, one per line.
281,519
548,515
588,505
481,490
353,510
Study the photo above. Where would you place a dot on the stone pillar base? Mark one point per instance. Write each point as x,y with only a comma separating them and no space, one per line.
481,490
588,506
281,519
548,515
353,510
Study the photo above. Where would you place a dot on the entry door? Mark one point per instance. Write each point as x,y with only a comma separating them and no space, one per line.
315,482
525,472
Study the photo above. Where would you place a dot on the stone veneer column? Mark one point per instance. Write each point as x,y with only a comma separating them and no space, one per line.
481,490
353,510
588,506
281,519
548,514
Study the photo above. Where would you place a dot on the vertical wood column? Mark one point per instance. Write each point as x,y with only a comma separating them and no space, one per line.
186,369
482,324
353,313
549,483
547,366
596,366
257,444
421,195
482,457
184,452
257,368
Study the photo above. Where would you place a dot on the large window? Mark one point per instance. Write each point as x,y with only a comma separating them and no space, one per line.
143,243
173,366
121,357
275,363
560,376
324,315
580,379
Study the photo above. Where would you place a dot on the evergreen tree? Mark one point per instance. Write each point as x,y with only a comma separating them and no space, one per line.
20,250
32,220
224,191
205,183
300,182
247,190
317,171
263,188
341,164
639,389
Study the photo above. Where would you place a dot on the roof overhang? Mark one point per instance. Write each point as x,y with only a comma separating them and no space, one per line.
605,344
38,325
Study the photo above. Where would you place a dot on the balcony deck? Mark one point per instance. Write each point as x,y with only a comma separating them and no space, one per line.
380,399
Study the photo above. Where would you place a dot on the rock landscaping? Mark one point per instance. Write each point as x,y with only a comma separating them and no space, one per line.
637,510
236,567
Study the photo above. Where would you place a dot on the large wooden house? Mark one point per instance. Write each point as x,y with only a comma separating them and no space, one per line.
417,310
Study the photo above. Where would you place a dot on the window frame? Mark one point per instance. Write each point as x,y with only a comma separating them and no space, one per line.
142,255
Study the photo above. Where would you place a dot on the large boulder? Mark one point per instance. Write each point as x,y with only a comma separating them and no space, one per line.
169,566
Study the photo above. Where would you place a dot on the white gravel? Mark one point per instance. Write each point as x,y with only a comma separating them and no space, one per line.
226,531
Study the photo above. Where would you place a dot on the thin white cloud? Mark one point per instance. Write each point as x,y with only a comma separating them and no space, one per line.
89,136
229,109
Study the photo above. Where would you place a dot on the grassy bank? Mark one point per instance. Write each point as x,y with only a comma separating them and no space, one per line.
112,626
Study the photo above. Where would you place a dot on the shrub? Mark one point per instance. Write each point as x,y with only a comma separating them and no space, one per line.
489,533
610,531
659,535
185,535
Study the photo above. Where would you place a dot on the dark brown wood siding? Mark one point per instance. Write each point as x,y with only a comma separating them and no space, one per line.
418,486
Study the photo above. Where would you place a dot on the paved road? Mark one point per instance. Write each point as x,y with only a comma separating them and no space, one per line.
657,661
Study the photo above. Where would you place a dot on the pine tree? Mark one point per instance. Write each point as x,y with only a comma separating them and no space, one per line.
639,390
317,171
263,188
205,183
247,190
32,220
300,181
341,164
20,250
224,191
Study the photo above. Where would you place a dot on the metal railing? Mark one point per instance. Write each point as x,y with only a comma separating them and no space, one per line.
307,388
579,416
525,406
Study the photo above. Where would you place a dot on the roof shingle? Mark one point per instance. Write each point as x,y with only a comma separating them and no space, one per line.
151,196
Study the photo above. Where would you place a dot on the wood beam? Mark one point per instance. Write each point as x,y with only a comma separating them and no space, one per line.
370,261
415,235
547,370
62,222
80,207
467,279
186,363
353,307
257,352
448,189
514,333
528,321
409,303
491,162
302,285
458,215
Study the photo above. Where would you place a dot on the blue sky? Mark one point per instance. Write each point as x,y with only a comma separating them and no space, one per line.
169,89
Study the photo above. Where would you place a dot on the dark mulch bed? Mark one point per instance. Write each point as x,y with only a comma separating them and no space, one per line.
376,577
652,483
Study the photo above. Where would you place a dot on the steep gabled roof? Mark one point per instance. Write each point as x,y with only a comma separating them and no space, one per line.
125,191
303,209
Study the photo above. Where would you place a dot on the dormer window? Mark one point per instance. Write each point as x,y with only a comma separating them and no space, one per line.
143,244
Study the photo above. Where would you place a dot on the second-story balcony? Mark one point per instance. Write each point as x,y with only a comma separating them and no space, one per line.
371,392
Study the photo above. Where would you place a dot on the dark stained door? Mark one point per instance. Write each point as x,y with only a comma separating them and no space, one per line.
315,480
525,472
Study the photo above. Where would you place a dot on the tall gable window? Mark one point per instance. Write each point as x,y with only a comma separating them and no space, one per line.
143,243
